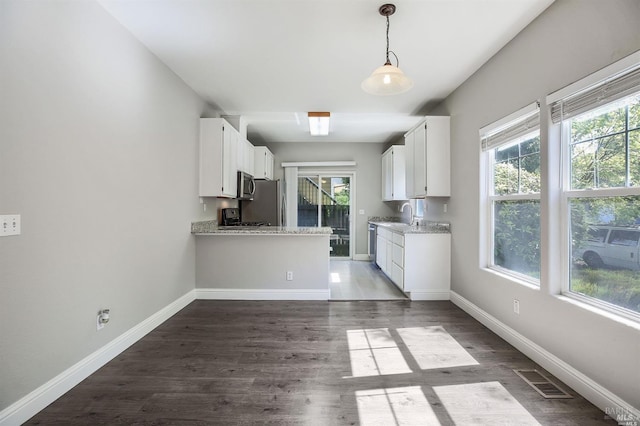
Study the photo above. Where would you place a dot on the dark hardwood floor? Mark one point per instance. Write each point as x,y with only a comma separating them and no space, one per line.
316,363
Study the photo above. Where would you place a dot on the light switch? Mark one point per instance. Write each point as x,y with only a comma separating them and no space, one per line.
9,225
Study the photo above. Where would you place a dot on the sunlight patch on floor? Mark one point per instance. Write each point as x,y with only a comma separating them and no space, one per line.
433,347
395,406
374,352
483,404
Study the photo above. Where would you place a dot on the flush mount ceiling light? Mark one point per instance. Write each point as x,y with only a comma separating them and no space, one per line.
319,123
387,79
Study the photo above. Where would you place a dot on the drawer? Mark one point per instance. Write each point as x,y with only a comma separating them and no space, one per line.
397,276
398,255
384,233
398,239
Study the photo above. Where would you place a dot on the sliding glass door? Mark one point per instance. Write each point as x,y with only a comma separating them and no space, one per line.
325,200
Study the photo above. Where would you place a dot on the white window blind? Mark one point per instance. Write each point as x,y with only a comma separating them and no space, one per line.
604,92
516,125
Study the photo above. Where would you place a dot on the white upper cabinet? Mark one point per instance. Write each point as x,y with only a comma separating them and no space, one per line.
218,158
263,166
428,159
393,174
246,156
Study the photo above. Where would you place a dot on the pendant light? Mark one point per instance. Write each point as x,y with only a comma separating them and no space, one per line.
387,79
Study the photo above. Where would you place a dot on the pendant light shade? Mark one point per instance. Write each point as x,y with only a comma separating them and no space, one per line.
387,79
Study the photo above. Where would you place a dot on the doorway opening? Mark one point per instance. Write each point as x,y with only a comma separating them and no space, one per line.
326,200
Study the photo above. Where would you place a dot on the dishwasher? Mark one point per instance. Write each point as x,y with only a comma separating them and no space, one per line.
373,229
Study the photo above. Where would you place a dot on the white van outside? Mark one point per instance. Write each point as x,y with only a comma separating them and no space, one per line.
612,246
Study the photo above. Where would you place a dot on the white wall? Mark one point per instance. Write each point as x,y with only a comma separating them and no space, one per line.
368,158
98,153
570,40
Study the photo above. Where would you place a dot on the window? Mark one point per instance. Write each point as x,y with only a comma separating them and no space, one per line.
511,151
601,142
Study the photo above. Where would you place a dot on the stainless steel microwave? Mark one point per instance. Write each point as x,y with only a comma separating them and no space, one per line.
246,186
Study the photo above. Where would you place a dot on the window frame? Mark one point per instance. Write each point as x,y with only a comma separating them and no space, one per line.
567,195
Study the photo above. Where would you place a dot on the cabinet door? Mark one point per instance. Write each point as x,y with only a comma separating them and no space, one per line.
269,165
409,146
263,166
240,152
229,161
397,169
249,158
389,257
420,162
260,155
398,255
387,176
397,276
438,157
218,159
381,252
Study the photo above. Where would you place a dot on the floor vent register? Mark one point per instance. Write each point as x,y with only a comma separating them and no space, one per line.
541,384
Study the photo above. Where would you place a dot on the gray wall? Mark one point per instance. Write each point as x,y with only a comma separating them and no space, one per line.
261,262
98,143
368,158
567,42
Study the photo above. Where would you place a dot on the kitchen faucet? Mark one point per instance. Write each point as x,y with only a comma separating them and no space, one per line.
410,212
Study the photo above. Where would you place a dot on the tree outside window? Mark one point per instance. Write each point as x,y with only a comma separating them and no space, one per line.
604,148
516,206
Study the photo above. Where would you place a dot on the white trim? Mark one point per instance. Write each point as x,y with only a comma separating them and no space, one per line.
361,257
320,164
261,294
624,64
429,295
29,405
585,386
513,276
519,115
603,192
515,197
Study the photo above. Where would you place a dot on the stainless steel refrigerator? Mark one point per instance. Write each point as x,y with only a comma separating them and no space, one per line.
267,205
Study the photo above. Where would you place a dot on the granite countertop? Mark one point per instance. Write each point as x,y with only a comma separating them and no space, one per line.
425,227
210,227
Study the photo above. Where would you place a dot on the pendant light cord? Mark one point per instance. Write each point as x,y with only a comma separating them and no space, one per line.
388,62
390,51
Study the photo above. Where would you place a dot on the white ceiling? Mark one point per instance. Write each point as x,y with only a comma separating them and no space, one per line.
271,61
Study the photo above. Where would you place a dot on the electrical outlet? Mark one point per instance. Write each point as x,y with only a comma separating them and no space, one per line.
361,211
516,306
445,208
289,275
9,225
102,319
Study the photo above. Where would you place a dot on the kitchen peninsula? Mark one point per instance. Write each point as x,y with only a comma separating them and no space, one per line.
261,262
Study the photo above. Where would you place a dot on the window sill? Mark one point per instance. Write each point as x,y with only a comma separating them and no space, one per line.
629,320
513,277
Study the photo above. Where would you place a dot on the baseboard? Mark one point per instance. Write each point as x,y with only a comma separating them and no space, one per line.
28,406
361,257
429,295
598,395
261,294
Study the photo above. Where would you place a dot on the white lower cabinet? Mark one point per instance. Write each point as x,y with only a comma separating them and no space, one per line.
418,263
